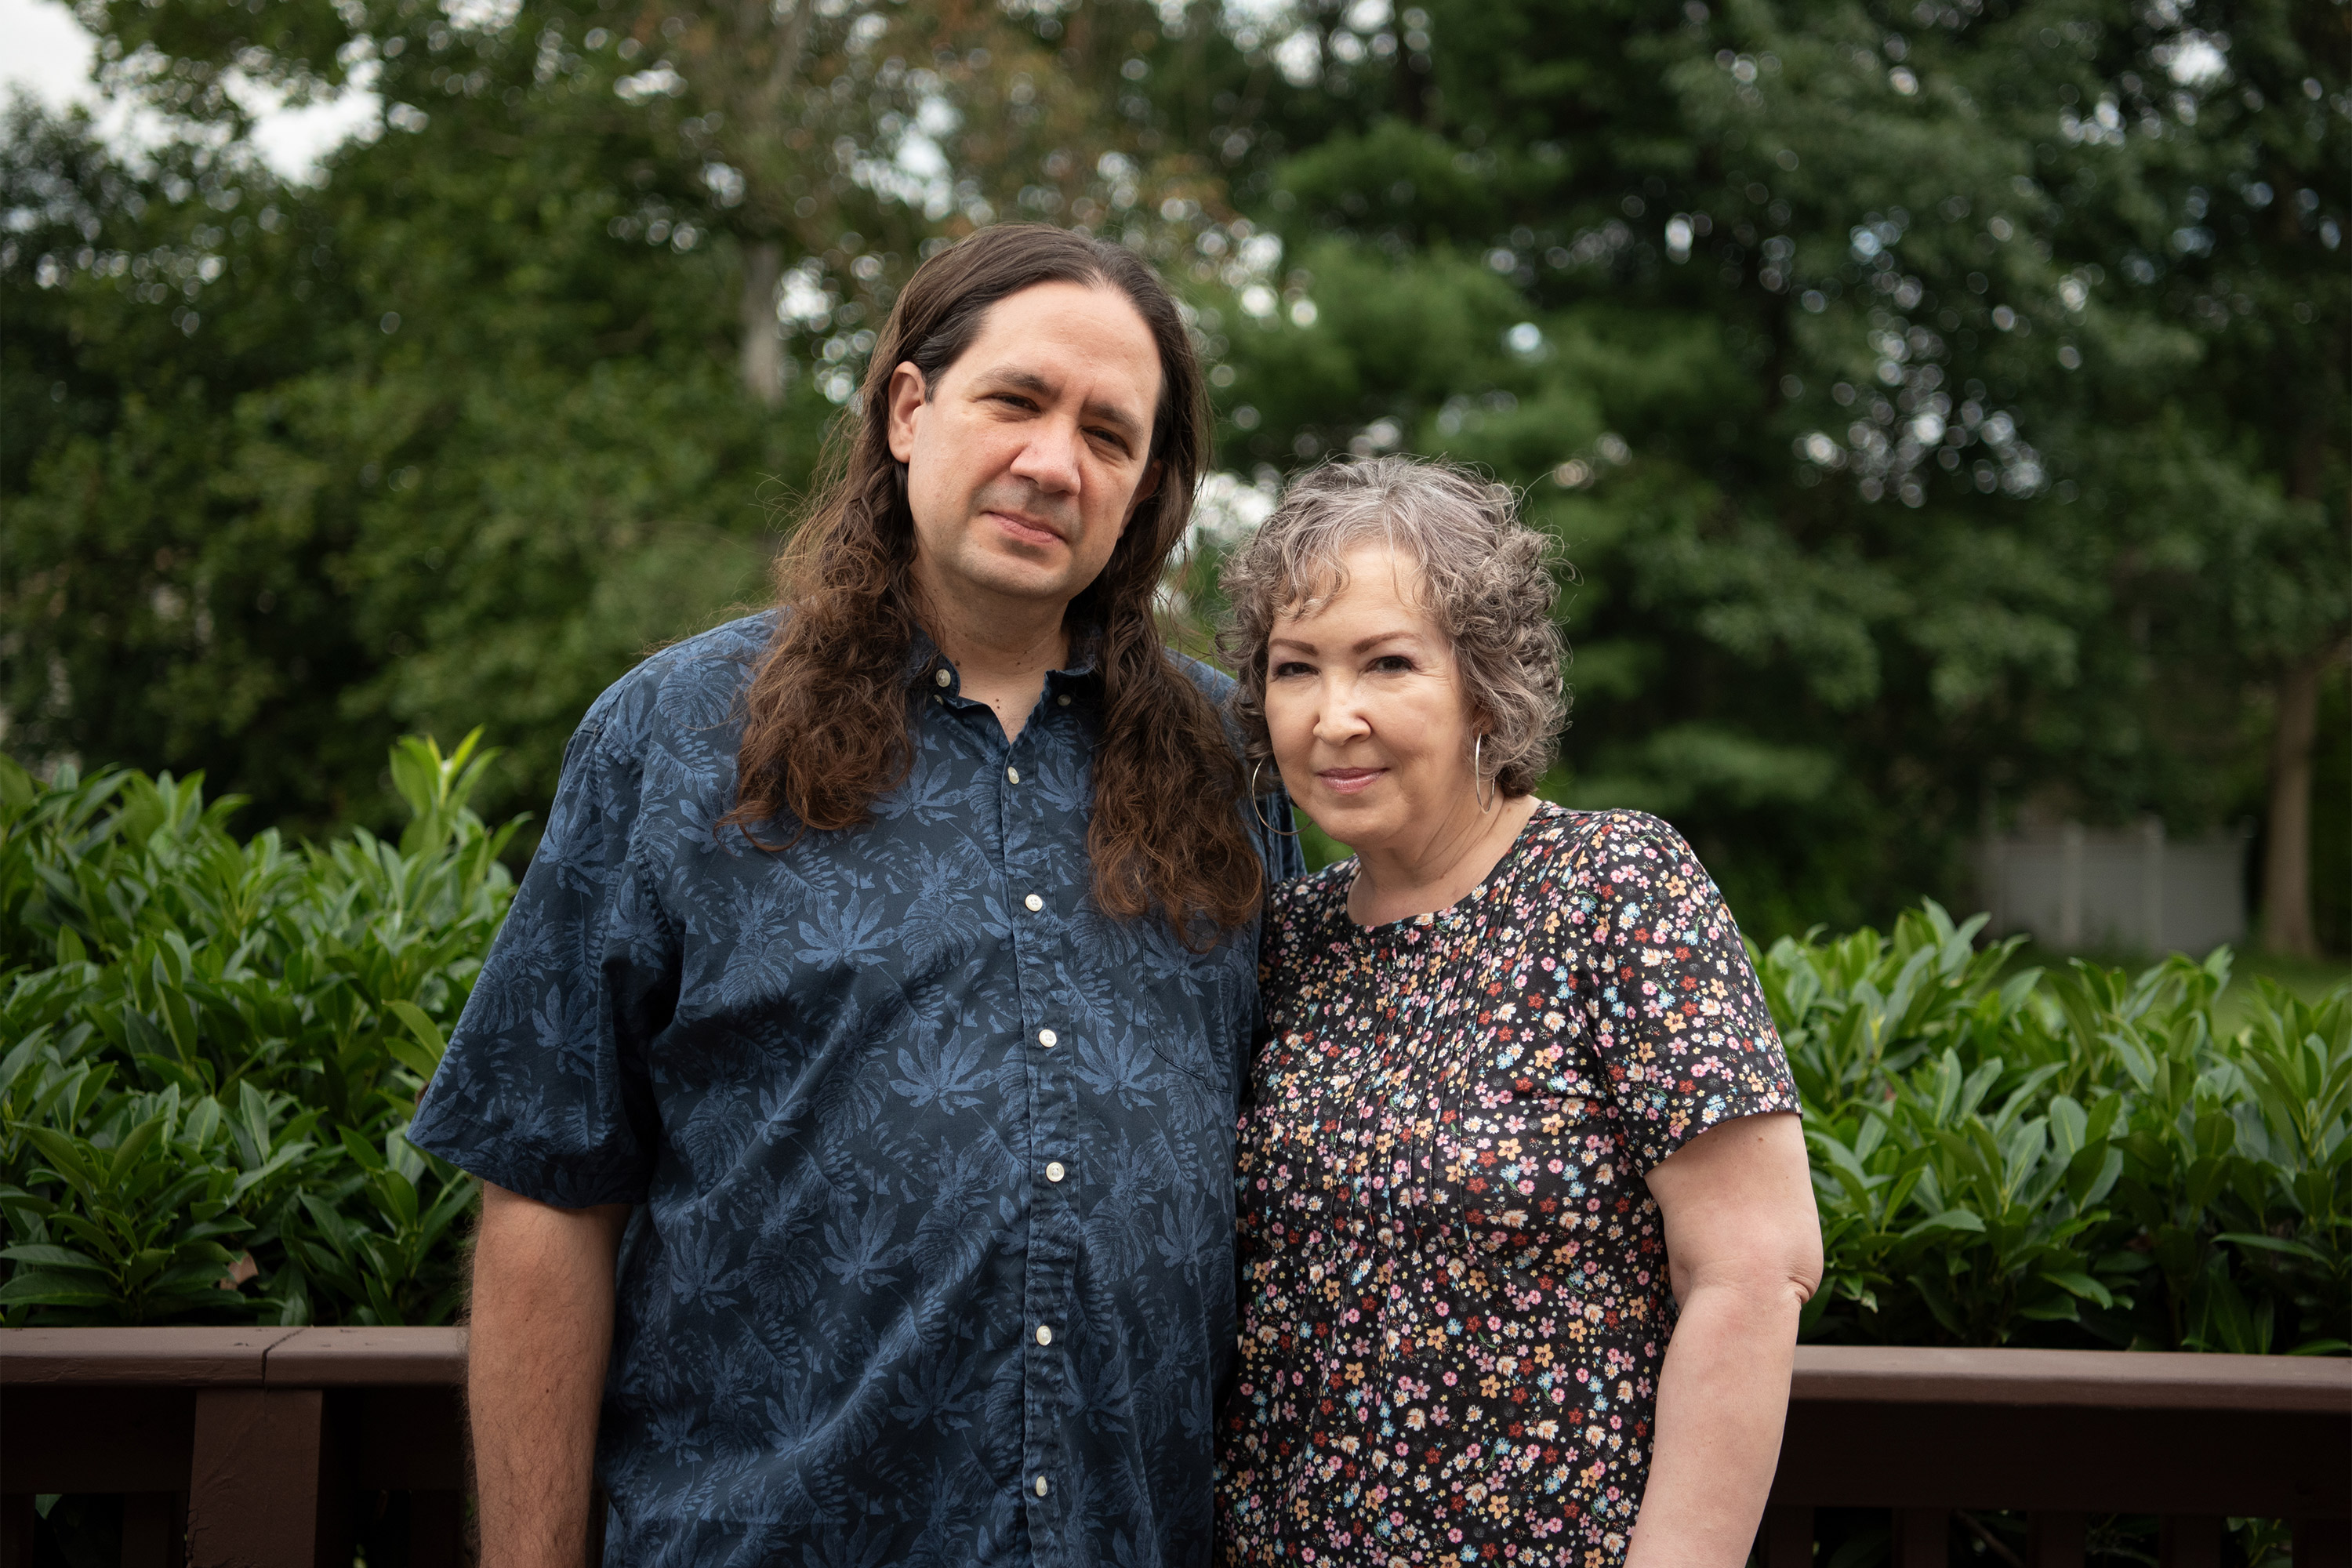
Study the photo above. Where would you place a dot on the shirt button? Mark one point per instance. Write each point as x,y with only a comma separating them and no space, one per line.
1047,1039
1063,700
1044,1335
1012,775
1034,903
1054,1171
1042,1487
944,679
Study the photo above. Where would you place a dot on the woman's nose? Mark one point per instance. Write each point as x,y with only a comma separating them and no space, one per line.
1339,717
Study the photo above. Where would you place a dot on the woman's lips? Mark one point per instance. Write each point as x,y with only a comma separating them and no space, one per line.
1348,781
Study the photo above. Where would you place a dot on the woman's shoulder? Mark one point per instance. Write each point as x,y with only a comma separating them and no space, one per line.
1587,843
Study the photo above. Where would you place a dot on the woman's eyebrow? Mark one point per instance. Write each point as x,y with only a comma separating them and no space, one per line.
1362,645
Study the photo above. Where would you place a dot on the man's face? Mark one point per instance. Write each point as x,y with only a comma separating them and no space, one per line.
1029,456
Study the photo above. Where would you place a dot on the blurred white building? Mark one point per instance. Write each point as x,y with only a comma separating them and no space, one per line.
2082,890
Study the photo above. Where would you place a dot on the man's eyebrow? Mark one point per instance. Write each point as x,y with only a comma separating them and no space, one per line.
1031,381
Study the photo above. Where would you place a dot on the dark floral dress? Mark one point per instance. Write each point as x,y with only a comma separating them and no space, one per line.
1453,1283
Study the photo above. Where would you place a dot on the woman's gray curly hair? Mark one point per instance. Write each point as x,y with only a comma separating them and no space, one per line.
1486,576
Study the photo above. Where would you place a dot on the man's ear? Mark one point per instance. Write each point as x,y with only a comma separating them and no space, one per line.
906,394
1145,489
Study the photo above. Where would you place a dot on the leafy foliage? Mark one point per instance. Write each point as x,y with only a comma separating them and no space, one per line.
212,1048
209,1049
1943,405
2066,1160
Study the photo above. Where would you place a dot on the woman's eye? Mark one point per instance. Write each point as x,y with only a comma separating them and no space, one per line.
1284,671
1392,663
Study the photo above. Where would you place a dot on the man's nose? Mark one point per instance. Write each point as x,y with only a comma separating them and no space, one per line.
1049,458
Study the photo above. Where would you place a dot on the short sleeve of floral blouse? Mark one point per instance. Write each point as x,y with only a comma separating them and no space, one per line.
1676,1018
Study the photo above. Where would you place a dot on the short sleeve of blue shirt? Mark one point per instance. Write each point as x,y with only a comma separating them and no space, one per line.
543,1090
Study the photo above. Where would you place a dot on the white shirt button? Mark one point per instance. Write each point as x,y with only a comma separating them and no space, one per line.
1063,700
1054,1171
1012,775
1034,903
1047,1039
1044,1335
1042,1487
944,679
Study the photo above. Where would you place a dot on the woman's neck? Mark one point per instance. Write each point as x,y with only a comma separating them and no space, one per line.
1398,881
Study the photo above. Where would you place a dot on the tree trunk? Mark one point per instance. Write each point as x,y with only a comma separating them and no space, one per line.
2287,866
763,361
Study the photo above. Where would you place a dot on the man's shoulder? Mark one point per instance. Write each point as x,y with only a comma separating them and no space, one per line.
697,682
1212,682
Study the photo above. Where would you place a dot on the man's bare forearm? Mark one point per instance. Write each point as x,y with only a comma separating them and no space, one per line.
542,1327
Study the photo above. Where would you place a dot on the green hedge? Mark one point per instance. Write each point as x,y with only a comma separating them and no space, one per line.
212,1048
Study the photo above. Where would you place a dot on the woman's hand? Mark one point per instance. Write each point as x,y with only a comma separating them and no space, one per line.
1744,1248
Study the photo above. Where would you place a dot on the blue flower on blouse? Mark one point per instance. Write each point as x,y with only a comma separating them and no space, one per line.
932,1260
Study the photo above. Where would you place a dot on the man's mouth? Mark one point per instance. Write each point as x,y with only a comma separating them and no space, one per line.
1026,530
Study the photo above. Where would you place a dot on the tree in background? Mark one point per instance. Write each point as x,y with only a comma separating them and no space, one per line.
1944,406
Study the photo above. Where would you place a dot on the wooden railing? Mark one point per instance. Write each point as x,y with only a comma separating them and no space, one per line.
264,1448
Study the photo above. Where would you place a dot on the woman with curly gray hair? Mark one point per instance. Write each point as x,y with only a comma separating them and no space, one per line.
1526,1221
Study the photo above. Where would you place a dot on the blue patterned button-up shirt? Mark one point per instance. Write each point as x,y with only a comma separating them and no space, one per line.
932,1261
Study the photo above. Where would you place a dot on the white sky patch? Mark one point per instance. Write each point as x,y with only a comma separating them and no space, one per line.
2194,59
482,16
1264,16
1300,59
802,300
48,57
658,81
1227,508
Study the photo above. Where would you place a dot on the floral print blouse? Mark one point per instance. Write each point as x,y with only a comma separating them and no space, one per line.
1454,1284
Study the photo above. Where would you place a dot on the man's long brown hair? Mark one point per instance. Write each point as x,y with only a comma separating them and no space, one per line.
829,727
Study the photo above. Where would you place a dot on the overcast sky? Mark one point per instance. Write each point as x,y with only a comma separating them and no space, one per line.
48,56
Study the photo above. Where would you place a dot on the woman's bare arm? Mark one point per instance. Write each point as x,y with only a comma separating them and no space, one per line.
1744,1247
542,1327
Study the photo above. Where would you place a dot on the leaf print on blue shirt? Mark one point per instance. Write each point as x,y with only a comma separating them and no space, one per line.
944,1073
864,1256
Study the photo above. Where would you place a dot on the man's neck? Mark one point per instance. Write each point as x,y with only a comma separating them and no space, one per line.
1003,654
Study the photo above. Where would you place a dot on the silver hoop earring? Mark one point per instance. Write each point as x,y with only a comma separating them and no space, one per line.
1260,810
1485,798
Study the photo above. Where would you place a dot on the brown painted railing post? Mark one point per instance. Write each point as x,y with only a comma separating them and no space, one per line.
2189,1541
2322,1542
1785,1540
154,1529
258,1491
436,1530
2053,1540
17,1518
1921,1538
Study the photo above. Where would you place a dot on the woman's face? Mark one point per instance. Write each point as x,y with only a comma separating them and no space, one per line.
1364,704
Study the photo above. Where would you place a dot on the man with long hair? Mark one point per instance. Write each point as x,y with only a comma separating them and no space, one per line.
854,1082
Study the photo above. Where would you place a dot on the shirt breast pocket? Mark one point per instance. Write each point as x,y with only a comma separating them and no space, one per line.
1203,1026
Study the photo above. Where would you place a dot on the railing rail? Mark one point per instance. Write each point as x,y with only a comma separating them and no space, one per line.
252,1448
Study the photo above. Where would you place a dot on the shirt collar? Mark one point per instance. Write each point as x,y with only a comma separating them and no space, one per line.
926,664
